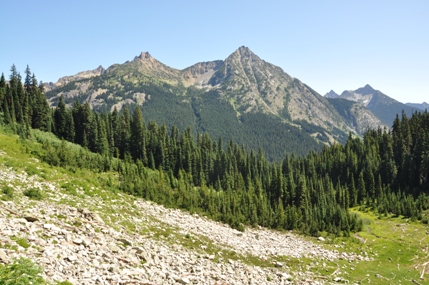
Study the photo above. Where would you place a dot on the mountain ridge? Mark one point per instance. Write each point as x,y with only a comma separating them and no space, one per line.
253,89
422,106
381,105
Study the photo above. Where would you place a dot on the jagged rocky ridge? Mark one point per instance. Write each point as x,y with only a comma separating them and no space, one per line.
243,80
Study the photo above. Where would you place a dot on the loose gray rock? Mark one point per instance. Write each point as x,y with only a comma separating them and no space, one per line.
84,249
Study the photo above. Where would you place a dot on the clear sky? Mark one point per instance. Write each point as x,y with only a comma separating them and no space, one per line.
339,45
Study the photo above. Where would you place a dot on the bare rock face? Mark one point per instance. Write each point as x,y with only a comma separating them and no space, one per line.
199,74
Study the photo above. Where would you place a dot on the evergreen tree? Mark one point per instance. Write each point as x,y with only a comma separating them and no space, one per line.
125,133
28,82
60,119
137,137
40,115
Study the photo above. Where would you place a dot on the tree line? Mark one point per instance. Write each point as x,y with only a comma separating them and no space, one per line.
385,171
23,105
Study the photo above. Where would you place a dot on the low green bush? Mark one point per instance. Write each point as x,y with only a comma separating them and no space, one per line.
65,283
8,191
33,193
21,272
23,242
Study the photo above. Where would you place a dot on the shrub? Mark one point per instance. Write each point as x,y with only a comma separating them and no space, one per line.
22,242
65,283
33,193
21,272
8,191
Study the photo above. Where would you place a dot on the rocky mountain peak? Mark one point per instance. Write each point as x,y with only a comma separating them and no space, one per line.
367,89
147,65
332,94
145,55
243,50
100,69
245,54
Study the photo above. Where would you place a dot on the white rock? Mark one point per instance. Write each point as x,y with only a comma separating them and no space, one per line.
78,241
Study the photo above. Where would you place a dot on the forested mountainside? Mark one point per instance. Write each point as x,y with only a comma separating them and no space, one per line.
386,171
242,98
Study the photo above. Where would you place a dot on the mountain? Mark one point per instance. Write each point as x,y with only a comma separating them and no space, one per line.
381,105
242,98
331,94
422,106
257,86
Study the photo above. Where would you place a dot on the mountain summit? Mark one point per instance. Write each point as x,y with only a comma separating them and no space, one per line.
145,55
332,94
366,90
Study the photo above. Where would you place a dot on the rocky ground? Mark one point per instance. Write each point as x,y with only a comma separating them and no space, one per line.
108,238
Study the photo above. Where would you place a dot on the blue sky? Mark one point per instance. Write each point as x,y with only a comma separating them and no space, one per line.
339,45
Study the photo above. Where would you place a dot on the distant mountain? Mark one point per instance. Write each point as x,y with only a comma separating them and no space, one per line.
381,105
332,94
422,106
242,98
